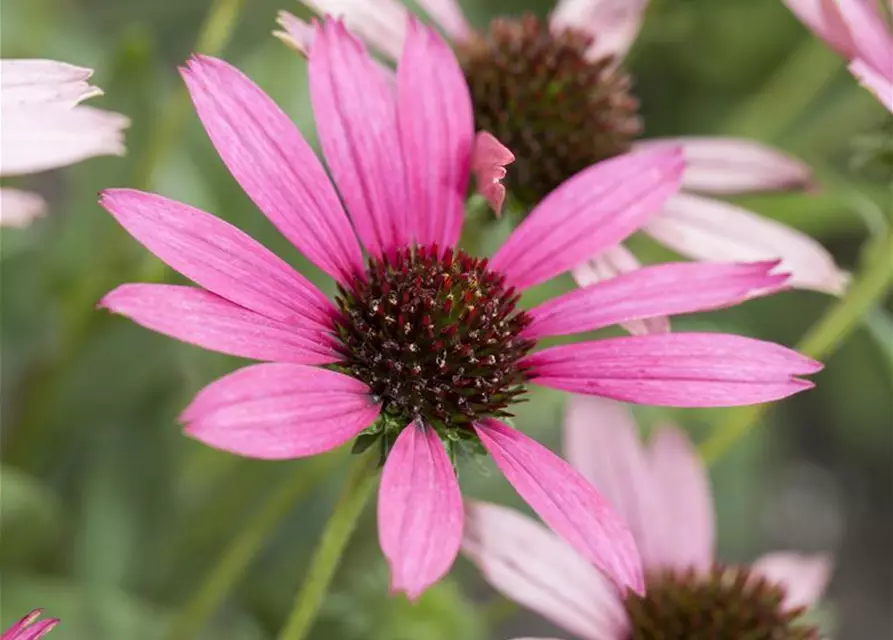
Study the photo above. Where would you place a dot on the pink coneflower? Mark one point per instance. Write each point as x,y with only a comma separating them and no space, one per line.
663,493
29,628
556,96
857,31
45,127
426,348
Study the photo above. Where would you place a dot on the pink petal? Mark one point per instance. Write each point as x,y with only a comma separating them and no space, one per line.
881,87
39,138
381,23
209,321
609,264
613,24
596,209
685,515
488,162
823,18
675,369
529,564
448,16
278,411
565,502
707,229
419,511
356,119
19,208
667,289
734,165
219,257
871,35
267,155
601,441
30,83
436,133
28,629
295,33
804,577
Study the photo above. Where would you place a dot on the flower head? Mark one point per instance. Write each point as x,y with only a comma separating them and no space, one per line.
556,94
663,493
856,30
45,127
29,627
426,347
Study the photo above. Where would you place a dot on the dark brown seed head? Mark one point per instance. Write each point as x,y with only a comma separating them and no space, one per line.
436,336
730,603
558,111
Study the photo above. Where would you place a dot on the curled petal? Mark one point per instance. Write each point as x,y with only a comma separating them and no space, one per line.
278,411
381,23
436,133
295,33
667,289
675,369
596,209
734,165
19,208
613,24
566,503
269,158
488,162
219,257
356,118
707,229
803,577
534,567
209,321
419,511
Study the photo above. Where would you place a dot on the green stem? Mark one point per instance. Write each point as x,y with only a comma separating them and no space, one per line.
356,492
237,556
819,342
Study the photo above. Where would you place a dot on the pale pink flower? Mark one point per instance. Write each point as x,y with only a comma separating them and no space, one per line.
514,69
663,493
856,29
426,348
29,628
45,127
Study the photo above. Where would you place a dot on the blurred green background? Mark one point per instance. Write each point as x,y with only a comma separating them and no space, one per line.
111,518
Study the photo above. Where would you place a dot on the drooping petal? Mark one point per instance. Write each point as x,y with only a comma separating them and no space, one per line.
803,577
613,24
356,118
436,134
419,511
707,229
675,369
727,166
448,16
269,158
381,23
28,628
823,18
566,503
529,564
219,257
39,138
209,321
19,208
871,35
278,411
488,161
596,209
601,441
667,289
30,83
295,33
880,86
608,264
685,520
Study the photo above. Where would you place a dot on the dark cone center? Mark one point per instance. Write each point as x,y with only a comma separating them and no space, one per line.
730,603
558,111
436,336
